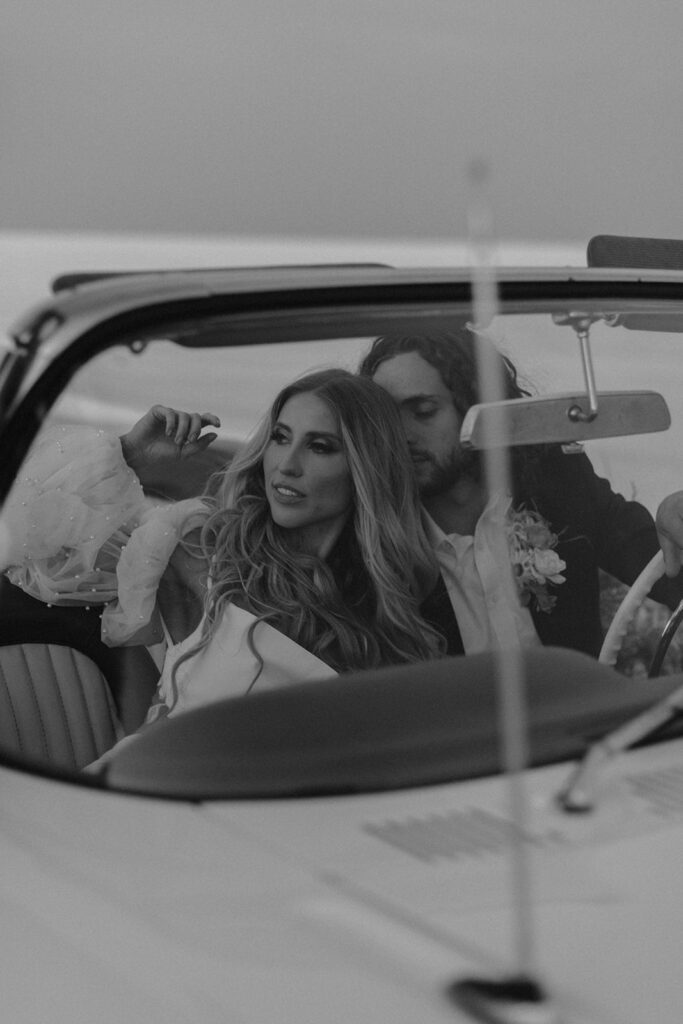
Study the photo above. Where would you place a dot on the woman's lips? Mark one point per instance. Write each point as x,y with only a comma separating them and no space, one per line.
286,494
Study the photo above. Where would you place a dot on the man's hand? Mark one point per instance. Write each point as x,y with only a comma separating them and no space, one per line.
670,530
165,434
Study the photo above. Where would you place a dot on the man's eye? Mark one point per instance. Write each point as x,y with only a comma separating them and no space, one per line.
424,412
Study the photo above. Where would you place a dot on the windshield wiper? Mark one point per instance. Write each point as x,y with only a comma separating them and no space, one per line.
579,793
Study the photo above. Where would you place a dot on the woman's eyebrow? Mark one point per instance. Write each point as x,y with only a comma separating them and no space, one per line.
311,433
323,433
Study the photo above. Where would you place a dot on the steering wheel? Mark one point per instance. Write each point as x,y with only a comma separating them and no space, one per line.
626,611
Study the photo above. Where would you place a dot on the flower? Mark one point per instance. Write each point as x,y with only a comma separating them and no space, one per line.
535,564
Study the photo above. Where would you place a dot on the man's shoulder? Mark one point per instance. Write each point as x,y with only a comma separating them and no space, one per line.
562,487
553,464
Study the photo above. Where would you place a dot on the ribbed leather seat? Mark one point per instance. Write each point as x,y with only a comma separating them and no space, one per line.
55,705
65,698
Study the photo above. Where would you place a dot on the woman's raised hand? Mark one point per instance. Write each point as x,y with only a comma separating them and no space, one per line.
165,434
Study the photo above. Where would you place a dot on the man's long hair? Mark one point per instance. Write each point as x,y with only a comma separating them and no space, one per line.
359,608
453,354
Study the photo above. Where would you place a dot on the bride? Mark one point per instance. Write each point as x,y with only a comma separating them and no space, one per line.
305,557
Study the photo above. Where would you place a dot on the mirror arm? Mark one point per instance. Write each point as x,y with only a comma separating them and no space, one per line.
580,323
576,413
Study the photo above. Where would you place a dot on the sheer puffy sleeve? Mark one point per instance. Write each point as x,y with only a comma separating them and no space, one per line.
78,529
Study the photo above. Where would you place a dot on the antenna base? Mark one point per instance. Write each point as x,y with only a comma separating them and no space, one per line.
515,1000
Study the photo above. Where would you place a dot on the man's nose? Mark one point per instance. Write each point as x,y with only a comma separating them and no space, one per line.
410,431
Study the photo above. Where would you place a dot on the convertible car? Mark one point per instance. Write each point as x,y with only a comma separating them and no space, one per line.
472,838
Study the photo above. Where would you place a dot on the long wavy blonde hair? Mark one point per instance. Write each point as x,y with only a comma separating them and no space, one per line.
359,608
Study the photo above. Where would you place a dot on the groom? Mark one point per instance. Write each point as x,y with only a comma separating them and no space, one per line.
558,504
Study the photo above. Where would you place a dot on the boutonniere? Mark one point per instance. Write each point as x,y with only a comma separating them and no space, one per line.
535,563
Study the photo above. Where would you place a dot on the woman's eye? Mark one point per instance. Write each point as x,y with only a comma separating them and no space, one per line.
278,436
321,448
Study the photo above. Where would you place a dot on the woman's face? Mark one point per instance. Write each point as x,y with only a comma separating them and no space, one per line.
306,473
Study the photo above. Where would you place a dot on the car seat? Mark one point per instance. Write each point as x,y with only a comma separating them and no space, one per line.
65,698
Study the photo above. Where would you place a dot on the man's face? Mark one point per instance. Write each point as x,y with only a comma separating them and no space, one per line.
431,421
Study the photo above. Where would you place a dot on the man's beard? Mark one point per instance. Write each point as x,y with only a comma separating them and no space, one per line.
436,478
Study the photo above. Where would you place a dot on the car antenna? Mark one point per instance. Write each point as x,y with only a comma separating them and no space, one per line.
519,997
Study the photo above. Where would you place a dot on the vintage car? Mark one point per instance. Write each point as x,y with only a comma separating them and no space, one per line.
472,838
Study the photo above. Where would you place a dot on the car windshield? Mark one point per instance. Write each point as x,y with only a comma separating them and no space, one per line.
233,367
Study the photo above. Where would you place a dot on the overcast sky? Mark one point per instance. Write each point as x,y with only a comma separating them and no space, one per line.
341,117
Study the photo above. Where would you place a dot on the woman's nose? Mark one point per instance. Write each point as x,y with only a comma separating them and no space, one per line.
290,463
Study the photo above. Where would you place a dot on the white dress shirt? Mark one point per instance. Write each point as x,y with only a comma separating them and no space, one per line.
478,576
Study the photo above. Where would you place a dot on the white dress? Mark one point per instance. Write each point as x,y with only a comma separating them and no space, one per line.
228,666
78,529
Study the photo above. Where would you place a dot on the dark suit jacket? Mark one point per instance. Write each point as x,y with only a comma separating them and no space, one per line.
597,529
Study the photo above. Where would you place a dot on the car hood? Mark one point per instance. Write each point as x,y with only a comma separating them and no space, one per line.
363,907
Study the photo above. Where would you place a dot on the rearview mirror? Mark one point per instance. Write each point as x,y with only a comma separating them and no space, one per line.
560,419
